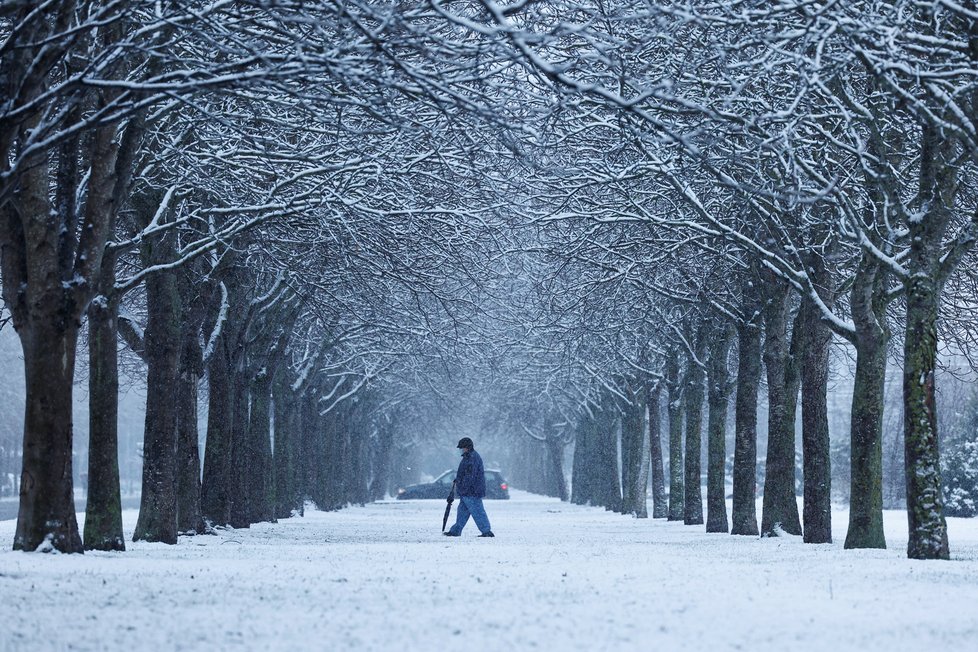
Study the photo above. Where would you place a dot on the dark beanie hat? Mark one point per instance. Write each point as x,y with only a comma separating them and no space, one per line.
465,442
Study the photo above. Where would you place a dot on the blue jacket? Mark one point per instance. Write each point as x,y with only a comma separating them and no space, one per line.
470,479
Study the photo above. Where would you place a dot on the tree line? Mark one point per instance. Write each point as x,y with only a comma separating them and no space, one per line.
622,214
758,179
209,183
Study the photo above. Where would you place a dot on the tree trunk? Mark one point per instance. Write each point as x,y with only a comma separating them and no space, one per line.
694,393
46,317
242,472
360,478
322,480
582,469
312,457
866,429
112,161
193,296
744,513
609,477
330,479
780,508
46,519
284,404
635,464
642,482
158,506
660,508
103,510
382,459
816,449
259,435
216,485
300,436
675,409
718,398
925,498
627,452
555,455
189,515
597,480
50,266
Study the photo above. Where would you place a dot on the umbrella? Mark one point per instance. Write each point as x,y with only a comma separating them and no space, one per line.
448,508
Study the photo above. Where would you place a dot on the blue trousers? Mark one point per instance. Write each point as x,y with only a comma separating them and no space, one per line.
470,506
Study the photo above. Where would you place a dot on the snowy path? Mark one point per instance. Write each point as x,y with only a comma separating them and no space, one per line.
557,577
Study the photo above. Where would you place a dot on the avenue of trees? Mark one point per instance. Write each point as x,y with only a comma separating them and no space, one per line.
613,227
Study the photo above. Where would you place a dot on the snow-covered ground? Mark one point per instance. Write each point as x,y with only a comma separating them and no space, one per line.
557,577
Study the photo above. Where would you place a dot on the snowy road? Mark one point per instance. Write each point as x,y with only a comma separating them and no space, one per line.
557,577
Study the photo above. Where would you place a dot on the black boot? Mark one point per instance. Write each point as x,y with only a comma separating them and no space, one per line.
487,534
451,534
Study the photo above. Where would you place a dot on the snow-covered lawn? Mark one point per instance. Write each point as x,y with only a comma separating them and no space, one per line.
557,577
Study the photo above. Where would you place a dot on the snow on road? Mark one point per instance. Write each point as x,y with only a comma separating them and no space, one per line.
557,577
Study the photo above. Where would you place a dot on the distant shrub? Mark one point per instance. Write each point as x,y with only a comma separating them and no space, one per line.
961,481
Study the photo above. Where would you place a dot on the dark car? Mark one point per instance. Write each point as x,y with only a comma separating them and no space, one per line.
496,487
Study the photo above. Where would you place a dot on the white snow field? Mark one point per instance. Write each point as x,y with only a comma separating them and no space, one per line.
557,577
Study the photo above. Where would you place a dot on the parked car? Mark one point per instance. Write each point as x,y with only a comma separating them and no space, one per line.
496,487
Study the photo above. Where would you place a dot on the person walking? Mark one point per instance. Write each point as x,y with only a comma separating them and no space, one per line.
470,485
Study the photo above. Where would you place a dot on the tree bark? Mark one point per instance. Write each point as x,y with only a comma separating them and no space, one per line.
357,424
46,519
635,464
675,409
609,477
866,429
554,482
744,512
312,458
555,455
597,480
329,474
382,459
287,499
242,473
103,510
190,518
158,506
693,396
581,478
660,507
627,478
718,399
925,498
194,298
263,487
816,449
780,508
46,313
216,484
